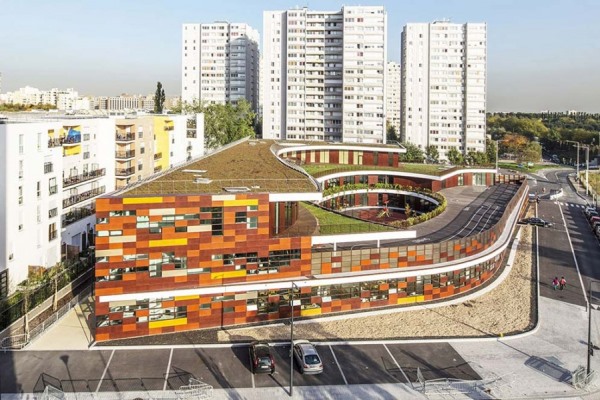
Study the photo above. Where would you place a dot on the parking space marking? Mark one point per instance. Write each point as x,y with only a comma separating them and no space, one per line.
105,370
338,364
168,369
398,365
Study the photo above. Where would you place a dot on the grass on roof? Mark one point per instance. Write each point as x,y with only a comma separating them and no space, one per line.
318,170
331,223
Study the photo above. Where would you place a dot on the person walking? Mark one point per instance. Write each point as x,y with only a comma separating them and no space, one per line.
555,283
562,283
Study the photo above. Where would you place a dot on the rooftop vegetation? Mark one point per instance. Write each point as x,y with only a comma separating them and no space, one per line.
331,223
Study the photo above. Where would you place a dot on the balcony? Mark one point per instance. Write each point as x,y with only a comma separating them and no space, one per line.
54,142
78,198
169,127
157,169
74,180
123,155
124,137
124,172
189,147
77,214
157,156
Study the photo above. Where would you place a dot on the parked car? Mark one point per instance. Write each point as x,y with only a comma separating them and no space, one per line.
597,232
535,221
589,211
592,214
307,357
261,359
595,225
594,219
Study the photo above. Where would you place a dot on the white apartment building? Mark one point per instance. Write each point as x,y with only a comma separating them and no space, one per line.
55,166
220,63
444,85
393,89
63,99
324,74
52,171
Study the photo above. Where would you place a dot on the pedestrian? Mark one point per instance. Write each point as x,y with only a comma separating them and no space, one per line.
555,283
562,283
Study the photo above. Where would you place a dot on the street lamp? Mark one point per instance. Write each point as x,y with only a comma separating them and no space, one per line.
589,342
294,286
573,141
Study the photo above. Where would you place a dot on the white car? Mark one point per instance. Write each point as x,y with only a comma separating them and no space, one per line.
307,357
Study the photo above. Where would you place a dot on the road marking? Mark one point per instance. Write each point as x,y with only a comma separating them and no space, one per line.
105,370
168,369
338,364
574,258
398,365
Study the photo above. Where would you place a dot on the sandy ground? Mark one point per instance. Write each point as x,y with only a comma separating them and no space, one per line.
506,309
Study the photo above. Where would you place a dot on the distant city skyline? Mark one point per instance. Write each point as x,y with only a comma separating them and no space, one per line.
542,55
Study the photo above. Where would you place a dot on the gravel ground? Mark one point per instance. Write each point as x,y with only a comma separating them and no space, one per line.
509,308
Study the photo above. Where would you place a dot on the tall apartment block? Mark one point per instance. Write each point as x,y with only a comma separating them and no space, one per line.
324,74
393,85
220,63
444,85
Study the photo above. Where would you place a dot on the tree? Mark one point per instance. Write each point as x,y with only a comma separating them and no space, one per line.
413,153
432,153
454,156
391,134
491,150
225,123
159,98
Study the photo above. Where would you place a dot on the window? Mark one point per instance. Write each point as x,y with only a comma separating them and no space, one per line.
20,169
39,141
21,143
252,223
52,187
20,195
240,217
39,189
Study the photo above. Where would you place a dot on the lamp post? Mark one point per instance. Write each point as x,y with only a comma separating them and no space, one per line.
294,286
589,342
573,141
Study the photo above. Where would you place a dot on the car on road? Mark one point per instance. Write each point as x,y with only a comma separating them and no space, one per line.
536,221
589,211
305,354
261,358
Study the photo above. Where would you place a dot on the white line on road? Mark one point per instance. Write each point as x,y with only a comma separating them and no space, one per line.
105,370
398,365
338,364
574,258
168,369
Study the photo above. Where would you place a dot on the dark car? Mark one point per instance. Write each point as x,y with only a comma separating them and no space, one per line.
535,221
261,358
307,357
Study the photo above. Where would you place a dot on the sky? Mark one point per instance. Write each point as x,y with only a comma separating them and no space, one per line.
542,54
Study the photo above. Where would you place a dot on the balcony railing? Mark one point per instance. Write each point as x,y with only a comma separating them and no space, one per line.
125,137
78,198
189,147
73,180
125,154
158,169
77,214
157,156
191,134
125,171
64,140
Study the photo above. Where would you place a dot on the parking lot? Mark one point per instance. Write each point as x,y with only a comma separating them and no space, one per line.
223,367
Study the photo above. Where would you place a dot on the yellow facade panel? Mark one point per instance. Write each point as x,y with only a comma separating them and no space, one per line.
245,202
178,298
142,200
168,242
228,274
167,322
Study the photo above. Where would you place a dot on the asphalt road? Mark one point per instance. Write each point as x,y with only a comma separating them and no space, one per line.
155,369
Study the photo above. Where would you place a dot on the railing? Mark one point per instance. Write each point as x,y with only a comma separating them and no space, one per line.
125,154
78,198
189,147
191,134
54,142
157,156
125,137
125,171
76,214
73,180
158,169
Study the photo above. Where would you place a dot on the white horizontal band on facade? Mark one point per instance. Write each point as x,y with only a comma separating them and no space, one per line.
333,279
363,237
366,190
329,147
308,196
354,173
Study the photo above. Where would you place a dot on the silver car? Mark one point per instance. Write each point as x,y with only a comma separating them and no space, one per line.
307,357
